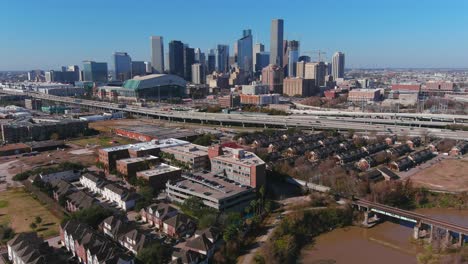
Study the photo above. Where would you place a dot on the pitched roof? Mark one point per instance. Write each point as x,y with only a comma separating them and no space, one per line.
32,249
201,243
178,220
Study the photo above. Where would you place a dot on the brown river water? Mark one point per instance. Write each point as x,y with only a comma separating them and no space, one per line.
388,242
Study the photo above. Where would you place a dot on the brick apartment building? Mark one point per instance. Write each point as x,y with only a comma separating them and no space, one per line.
238,165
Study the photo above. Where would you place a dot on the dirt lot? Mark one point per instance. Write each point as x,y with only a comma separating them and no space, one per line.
101,141
448,175
18,209
11,165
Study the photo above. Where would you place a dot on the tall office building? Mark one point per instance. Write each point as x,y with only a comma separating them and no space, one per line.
211,61
317,71
293,47
263,59
176,58
328,67
258,47
222,58
122,66
199,56
189,59
138,68
245,52
276,42
149,68
338,66
285,53
94,71
273,76
300,69
157,54
198,73
68,74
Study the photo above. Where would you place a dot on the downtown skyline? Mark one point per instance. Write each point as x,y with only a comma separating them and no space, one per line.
369,39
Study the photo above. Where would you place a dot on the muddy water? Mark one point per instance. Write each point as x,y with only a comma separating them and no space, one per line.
387,242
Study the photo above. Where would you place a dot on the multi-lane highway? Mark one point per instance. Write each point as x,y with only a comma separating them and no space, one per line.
295,120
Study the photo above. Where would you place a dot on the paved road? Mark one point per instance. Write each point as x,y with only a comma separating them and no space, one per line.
312,121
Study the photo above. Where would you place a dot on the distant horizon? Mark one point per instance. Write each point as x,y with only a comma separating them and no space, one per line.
346,69
373,34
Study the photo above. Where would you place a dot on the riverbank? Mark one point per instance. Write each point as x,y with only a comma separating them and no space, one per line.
388,242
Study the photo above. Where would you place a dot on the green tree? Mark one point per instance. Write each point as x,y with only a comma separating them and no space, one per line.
92,216
155,253
38,220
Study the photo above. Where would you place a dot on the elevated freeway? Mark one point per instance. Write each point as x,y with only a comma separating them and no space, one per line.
414,128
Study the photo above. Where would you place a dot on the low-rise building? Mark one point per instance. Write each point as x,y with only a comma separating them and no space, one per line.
156,214
159,174
120,230
364,95
216,191
29,248
179,225
129,167
109,156
238,165
261,99
195,156
93,183
229,101
91,247
255,89
79,200
122,197
69,176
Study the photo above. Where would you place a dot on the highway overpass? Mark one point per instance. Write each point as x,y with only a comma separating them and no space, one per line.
396,126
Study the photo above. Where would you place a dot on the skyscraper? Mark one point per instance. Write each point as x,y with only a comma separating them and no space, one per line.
122,66
189,59
263,59
149,68
198,73
138,68
293,57
258,47
222,58
276,42
245,52
300,69
338,65
199,56
176,58
157,53
211,61
94,71
285,53
317,71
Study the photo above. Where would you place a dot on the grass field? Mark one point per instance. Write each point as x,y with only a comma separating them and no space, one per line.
102,141
18,209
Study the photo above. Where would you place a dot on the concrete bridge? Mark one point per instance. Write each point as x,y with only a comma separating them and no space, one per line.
425,227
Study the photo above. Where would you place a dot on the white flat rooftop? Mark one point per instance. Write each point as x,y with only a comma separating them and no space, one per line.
154,144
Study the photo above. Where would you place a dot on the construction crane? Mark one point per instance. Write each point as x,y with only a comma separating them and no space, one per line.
312,53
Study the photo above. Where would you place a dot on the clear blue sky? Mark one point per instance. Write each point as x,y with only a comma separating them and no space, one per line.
373,33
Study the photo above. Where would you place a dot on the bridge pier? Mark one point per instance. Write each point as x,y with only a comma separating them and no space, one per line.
461,239
416,230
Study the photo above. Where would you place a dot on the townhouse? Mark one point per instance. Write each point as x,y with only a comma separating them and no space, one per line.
90,247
